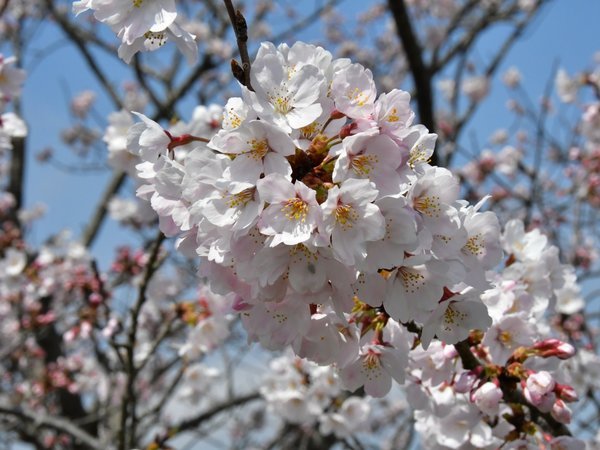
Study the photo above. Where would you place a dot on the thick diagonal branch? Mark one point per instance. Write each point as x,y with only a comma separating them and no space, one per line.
421,74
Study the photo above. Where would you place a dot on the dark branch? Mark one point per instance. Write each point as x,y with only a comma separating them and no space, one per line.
240,28
62,425
421,74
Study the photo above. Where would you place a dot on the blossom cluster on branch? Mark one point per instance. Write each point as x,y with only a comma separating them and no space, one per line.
314,203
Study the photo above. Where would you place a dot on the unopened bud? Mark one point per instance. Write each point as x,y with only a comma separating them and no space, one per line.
464,382
539,389
487,398
347,130
554,347
335,114
566,393
561,412
95,299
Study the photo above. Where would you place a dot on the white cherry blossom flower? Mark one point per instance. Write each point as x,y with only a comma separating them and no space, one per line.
370,156
259,148
293,212
131,19
153,40
453,318
353,91
287,98
351,219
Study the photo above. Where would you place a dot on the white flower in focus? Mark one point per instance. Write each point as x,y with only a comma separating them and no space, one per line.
432,195
131,19
147,139
153,40
259,148
378,363
351,220
505,336
293,212
415,289
525,246
453,319
283,95
353,91
372,157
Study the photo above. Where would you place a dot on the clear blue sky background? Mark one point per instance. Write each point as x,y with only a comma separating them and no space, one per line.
567,30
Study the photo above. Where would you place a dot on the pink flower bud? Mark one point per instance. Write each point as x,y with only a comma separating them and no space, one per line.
95,299
561,412
335,114
566,393
347,130
465,382
554,347
487,398
538,390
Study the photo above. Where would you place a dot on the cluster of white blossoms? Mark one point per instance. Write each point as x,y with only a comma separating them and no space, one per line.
314,202
142,25
304,393
457,408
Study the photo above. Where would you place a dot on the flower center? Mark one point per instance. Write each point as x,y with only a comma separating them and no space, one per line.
362,164
428,205
241,199
412,281
475,245
295,209
258,149
345,215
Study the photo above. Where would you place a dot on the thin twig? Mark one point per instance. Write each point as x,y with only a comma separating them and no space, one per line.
91,230
79,41
129,401
240,28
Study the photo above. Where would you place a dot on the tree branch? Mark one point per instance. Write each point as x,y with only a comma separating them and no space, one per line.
75,36
240,28
91,230
60,424
128,405
421,74
470,362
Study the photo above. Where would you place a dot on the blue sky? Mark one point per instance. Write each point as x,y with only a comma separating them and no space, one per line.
567,31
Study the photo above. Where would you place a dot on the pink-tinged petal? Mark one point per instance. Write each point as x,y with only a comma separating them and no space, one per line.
378,382
394,361
352,375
